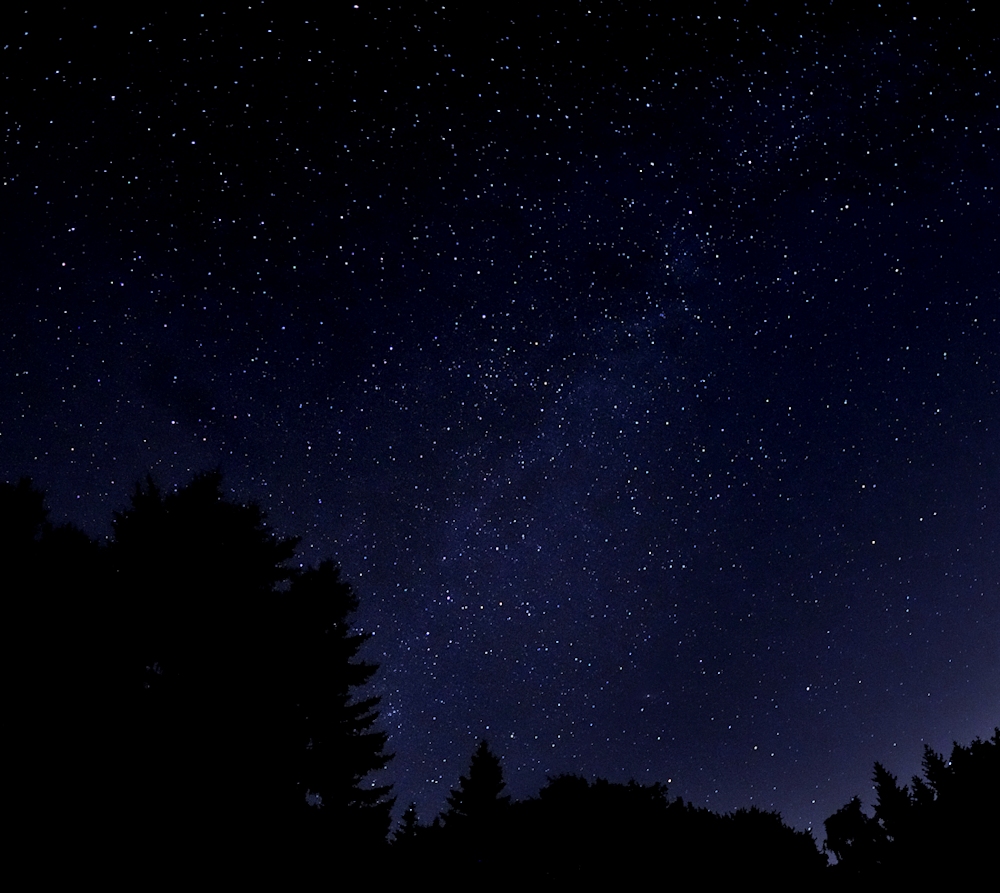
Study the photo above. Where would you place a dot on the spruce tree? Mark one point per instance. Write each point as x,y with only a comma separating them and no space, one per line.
339,746
478,797
236,679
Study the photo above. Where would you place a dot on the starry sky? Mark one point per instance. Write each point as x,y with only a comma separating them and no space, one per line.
640,369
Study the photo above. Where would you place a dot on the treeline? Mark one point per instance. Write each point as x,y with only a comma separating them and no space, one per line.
186,698
598,833
942,827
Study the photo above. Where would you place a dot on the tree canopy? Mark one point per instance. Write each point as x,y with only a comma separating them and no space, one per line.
942,823
208,688
478,797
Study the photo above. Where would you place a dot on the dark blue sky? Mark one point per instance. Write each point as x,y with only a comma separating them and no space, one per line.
641,371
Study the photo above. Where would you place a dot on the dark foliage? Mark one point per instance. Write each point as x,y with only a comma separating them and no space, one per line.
243,675
599,833
942,827
54,702
196,587
189,696
478,799
472,833
764,846
337,744
608,832
854,838
409,828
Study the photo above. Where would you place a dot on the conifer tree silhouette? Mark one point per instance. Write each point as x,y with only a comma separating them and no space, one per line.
946,824
478,796
196,579
236,680
476,820
339,746
408,828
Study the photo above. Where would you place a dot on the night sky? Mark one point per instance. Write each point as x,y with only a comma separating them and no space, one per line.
640,370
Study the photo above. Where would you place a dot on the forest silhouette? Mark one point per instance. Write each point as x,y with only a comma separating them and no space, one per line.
195,701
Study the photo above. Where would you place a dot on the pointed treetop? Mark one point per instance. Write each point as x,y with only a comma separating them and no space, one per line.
478,795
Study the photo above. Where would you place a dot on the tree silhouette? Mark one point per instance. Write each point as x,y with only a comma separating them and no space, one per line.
945,823
408,829
338,745
854,838
478,800
55,616
236,676
893,805
582,831
186,695
764,846
23,519
196,582
475,830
